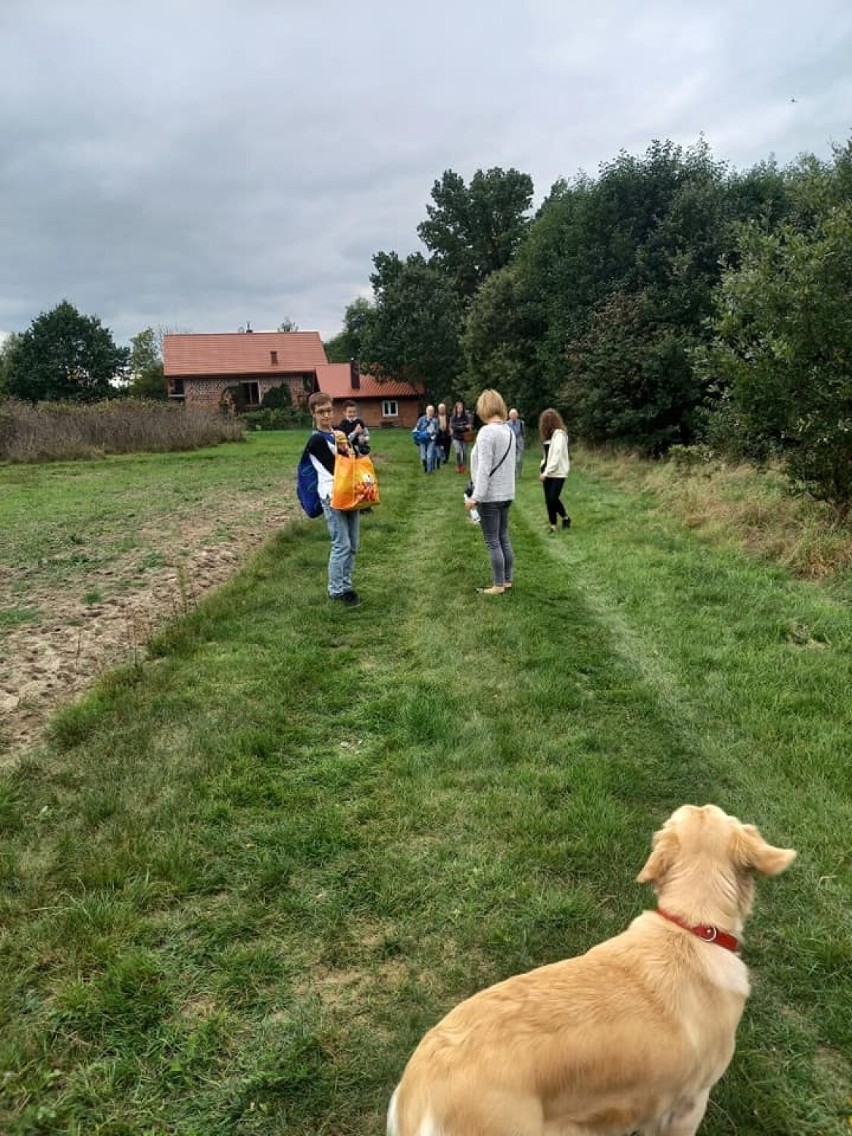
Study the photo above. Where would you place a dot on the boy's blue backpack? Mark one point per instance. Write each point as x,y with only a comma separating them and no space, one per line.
306,485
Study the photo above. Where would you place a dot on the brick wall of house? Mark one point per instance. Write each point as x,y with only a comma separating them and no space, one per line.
371,411
208,391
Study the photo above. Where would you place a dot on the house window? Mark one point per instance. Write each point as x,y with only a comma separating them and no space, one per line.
176,388
390,409
251,394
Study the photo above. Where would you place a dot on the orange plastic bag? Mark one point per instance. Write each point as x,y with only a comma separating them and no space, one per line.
355,484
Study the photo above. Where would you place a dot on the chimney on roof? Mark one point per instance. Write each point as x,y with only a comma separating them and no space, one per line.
249,328
354,374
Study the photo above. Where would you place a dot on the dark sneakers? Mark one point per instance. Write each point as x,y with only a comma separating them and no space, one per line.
566,522
350,599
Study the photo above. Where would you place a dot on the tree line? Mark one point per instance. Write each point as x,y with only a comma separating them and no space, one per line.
66,356
669,301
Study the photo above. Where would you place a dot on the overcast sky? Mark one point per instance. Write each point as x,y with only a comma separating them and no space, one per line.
199,165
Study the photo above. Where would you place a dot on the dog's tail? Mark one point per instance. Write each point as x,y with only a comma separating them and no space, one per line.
393,1129
401,1125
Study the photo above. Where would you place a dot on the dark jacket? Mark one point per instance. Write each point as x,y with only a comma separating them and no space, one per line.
459,425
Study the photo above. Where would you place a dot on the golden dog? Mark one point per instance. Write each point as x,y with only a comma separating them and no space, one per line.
629,1037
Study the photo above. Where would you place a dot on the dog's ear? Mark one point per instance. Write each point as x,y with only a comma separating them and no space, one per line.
665,846
752,853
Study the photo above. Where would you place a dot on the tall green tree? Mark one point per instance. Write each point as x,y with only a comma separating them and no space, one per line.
7,349
475,230
413,334
630,379
65,356
147,378
500,342
347,344
653,227
761,193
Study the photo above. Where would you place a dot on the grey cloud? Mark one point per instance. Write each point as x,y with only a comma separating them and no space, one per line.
196,165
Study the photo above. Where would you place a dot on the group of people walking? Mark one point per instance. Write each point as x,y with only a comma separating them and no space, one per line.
495,461
439,432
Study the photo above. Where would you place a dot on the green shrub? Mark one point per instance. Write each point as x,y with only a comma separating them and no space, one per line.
272,419
630,381
279,398
782,353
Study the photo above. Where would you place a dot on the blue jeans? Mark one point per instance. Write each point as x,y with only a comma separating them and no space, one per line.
428,454
494,522
344,529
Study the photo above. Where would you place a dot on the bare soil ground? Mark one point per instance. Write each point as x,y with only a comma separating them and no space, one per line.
110,614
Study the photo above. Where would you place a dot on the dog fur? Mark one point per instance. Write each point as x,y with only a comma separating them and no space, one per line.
629,1037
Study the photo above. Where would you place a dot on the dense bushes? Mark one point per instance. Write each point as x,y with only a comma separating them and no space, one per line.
276,419
631,382
49,431
277,412
782,353
669,301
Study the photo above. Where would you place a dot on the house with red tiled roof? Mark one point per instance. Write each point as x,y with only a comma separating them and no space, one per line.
386,403
239,368
236,369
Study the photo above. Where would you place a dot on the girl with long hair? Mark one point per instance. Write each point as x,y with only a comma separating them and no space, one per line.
554,466
459,426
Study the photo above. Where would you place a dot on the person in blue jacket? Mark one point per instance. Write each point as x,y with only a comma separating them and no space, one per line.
427,424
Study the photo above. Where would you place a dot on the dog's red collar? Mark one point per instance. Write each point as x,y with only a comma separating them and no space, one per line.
705,932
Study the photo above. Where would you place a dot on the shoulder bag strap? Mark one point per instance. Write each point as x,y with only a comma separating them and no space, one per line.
500,462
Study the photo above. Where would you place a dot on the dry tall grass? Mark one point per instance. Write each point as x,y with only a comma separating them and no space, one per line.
54,431
753,508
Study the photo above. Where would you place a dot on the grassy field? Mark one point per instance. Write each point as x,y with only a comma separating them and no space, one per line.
242,878
95,556
61,519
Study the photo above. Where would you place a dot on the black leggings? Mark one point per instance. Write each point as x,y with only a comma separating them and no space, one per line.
552,490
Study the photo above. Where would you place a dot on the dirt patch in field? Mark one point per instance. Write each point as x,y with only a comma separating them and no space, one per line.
111,612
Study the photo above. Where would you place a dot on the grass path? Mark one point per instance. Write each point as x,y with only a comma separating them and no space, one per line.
244,878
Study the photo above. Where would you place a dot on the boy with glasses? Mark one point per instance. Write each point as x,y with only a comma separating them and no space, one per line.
343,525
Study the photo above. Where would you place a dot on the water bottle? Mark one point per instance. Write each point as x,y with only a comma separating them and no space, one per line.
474,512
